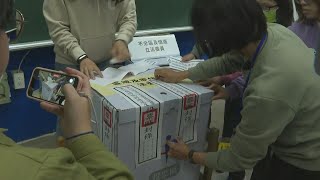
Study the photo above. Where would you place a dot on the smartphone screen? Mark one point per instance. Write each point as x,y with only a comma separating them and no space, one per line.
46,85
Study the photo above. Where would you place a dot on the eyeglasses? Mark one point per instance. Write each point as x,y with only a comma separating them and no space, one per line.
306,1
14,33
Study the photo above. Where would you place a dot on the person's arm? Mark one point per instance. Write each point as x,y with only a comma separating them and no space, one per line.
227,79
127,22
235,88
56,16
217,66
317,59
259,128
295,27
197,51
102,164
89,160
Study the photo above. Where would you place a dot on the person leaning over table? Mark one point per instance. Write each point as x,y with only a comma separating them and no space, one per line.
281,102
83,32
276,11
84,158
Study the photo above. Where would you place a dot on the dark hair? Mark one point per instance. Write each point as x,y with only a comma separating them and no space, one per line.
285,12
227,24
6,13
302,17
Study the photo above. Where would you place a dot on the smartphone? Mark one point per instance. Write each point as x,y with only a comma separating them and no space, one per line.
46,85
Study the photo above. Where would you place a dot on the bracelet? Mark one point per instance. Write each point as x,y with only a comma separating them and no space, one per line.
190,156
81,58
78,135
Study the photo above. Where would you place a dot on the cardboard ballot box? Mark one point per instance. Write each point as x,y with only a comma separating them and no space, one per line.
135,117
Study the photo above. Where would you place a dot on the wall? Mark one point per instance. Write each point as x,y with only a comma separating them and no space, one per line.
24,118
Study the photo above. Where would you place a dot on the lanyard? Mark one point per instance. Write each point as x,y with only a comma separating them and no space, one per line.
254,58
253,61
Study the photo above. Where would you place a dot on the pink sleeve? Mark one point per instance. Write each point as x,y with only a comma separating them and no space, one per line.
226,79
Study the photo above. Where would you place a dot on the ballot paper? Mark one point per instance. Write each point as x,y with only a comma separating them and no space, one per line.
111,75
177,64
164,61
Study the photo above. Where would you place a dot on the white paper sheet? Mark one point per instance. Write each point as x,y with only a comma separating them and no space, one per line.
160,61
111,75
177,64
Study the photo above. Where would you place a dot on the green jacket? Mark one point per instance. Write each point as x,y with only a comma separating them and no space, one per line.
281,106
85,158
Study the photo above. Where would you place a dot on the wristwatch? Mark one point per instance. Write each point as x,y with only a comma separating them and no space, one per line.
190,156
81,58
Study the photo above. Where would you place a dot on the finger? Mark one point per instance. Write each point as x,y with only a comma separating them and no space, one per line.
214,87
217,97
157,72
172,145
157,77
86,72
97,70
204,83
69,92
81,70
91,72
85,84
184,59
180,140
187,57
80,82
71,71
162,79
52,108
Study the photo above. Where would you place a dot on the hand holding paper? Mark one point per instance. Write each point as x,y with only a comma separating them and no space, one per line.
120,51
116,61
111,75
177,64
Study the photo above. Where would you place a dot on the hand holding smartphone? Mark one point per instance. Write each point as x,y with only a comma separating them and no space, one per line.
46,85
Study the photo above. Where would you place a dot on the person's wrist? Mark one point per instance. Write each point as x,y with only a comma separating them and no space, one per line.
190,156
77,130
84,61
193,55
121,42
82,58
78,135
183,75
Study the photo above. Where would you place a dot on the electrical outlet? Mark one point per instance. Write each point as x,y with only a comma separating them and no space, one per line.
18,79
